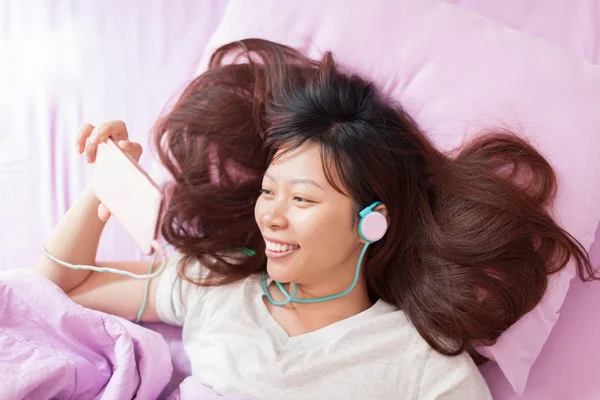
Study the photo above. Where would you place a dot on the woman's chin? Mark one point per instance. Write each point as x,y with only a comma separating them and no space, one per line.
281,267
279,273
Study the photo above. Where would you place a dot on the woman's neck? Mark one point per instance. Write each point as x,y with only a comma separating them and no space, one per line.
314,316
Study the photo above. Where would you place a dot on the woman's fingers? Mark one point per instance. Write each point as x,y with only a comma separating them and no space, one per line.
89,137
115,129
83,133
103,212
132,148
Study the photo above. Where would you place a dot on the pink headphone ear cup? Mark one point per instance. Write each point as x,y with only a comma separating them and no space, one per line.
373,226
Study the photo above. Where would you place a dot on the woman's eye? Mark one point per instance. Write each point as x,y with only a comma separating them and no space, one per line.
265,191
301,200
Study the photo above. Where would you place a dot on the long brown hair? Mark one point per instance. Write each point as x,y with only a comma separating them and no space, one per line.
471,242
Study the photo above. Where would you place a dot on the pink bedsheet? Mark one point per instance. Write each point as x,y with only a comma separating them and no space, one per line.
54,348
65,63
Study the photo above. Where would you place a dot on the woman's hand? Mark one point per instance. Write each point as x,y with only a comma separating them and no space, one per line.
89,137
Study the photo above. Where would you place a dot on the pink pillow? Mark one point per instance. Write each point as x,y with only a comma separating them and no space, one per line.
456,73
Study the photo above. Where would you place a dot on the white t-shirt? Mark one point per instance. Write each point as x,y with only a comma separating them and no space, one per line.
237,348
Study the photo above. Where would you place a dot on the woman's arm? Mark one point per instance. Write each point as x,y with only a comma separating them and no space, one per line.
117,294
75,240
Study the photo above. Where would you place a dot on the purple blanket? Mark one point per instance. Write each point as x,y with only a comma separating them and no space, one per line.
54,348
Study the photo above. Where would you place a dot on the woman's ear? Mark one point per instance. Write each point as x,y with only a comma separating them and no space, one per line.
384,211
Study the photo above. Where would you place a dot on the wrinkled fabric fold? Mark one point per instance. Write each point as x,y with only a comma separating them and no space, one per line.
54,348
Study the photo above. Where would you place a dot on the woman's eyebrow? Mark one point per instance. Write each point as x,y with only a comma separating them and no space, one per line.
298,181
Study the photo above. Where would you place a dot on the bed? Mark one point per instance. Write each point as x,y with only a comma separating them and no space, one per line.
64,63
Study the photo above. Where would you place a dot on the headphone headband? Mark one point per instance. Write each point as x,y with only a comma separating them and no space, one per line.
369,209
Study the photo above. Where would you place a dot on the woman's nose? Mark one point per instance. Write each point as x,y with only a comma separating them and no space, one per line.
274,218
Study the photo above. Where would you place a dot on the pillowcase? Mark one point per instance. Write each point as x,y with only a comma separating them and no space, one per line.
458,73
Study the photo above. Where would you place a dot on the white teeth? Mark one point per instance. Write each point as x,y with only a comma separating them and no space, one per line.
280,248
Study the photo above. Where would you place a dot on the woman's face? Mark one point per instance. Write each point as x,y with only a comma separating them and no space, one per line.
309,227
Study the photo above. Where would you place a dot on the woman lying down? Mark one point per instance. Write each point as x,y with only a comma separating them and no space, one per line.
325,248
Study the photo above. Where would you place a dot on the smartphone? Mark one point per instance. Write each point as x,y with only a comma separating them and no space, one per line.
130,195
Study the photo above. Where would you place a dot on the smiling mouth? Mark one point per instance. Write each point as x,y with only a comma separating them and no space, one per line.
278,250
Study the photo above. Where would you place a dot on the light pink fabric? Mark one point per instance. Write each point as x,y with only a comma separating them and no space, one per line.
567,367
53,348
458,73
61,66
571,24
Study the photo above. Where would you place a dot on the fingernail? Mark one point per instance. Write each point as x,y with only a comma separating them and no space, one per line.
78,147
94,137
88,158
